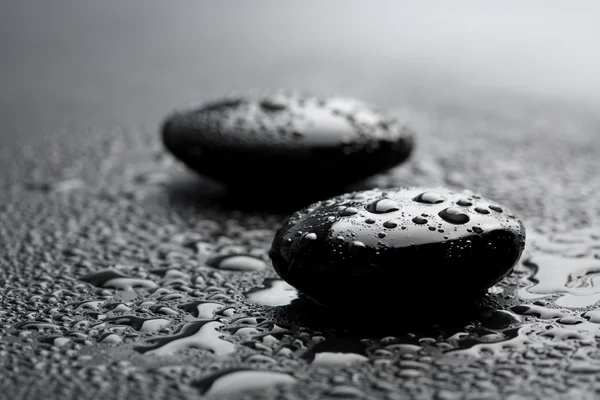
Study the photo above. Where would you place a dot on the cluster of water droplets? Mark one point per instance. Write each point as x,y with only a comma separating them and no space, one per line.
275,118
400,221
191,299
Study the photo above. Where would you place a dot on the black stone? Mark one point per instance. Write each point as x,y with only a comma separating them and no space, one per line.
413,249
311,143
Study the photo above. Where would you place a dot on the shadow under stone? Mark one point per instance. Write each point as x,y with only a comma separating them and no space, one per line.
397,319
202,192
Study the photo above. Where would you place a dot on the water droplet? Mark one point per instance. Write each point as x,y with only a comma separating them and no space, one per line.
494,343
201,334
237,380
291,262
110,278
464,203
345,392
481,210
477,229
137,323
383,206
496,208
238,262
117,307
593,316
272,104
454,215
419,220
348,211
89,305
538,311
563,334
163,310
110,338
430,198
310,236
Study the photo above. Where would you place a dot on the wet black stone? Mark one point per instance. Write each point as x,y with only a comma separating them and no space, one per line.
465,253
310,142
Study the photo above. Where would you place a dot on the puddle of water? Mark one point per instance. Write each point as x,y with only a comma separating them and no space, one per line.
201,334
240,380
512,338
139,324
577,279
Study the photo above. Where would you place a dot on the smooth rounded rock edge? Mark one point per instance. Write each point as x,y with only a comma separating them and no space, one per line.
314,143
334,252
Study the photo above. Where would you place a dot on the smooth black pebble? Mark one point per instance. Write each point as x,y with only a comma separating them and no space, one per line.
396,245
287,140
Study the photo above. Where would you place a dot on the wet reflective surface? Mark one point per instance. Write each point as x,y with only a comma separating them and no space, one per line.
111,277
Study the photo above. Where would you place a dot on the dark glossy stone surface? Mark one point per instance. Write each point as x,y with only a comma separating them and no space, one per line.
308,141
397,243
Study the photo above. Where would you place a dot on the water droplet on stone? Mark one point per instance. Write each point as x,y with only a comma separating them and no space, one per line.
419,220
139,324
576,279
454,215
430,198
383,206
